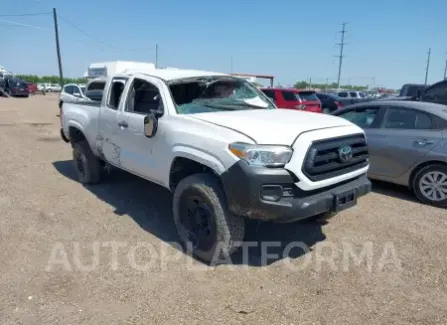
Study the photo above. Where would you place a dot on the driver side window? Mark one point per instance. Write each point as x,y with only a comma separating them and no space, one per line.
144,98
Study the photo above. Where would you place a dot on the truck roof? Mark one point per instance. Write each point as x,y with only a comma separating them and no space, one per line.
173,73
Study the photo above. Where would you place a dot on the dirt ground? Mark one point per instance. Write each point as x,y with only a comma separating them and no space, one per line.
107,254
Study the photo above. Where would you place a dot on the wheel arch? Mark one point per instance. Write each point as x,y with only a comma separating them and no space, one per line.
421,166
188,161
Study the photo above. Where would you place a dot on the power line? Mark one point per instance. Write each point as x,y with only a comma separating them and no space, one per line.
21,25
25,15
91,36
84,32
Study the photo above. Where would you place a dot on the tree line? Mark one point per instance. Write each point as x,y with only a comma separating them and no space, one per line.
333,85
49,79
299,84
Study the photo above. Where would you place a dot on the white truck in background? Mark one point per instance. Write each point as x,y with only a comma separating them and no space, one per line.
224,150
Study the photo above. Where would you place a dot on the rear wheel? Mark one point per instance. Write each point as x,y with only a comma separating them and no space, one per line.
326,110
88,167
203,221
430,185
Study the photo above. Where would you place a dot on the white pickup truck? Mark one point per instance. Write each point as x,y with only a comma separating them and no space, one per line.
224,150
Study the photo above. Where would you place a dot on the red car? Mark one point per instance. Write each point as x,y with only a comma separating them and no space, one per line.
32,87
302,100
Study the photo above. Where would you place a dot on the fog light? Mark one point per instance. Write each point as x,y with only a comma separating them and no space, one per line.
271,193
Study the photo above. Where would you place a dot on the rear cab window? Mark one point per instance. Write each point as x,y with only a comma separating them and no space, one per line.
116,90
343,94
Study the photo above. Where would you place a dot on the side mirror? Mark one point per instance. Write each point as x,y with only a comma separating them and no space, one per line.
150,125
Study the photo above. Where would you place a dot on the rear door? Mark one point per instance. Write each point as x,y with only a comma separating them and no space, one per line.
405,137
109,122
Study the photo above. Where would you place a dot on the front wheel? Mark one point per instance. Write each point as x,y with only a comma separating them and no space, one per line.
203,220
430,185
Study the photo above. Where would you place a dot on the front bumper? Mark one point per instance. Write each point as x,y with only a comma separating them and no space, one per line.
271,194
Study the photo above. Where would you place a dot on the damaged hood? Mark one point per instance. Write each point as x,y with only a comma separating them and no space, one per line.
272,126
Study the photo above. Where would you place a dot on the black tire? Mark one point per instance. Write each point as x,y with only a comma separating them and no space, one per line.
326,110
416,184
88,167
60,104
223,230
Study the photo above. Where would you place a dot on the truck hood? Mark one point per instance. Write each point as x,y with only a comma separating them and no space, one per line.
272,126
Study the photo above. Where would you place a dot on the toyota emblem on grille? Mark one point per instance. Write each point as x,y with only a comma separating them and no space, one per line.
345,153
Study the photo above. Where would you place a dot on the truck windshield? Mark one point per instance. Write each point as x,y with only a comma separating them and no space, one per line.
200,95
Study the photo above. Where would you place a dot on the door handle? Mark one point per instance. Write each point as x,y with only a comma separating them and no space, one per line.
123,124
424,142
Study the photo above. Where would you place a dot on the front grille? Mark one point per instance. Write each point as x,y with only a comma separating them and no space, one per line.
323,159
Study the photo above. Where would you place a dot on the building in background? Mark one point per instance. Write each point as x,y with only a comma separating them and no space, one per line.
104,69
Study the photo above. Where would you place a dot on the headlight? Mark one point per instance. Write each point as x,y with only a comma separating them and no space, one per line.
262,155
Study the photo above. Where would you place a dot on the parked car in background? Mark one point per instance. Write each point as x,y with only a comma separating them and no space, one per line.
352,97
436,93
32,87
51,87
72,93
407,143
15,87
410,90
329,102
304,100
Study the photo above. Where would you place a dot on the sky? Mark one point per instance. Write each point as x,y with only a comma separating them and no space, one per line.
387,40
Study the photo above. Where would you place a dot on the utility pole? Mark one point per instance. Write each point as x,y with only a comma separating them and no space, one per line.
156,56
340,57
445,69
428,65
327,81
56,32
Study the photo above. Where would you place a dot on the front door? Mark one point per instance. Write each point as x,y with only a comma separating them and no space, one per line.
138,154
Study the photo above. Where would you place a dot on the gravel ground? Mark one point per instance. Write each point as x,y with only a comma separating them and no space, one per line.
381,262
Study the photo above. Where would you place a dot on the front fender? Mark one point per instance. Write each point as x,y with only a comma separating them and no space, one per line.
200,156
